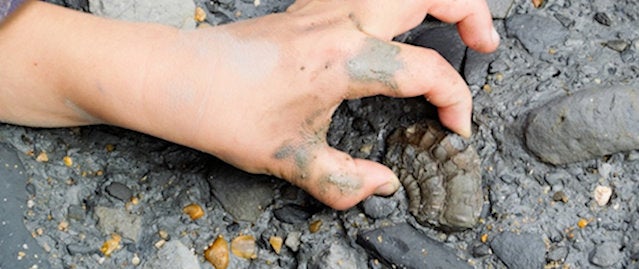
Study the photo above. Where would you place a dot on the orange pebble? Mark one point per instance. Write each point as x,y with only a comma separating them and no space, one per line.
218,253
194,211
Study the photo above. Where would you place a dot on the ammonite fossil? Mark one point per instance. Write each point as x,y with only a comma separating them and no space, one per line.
440,172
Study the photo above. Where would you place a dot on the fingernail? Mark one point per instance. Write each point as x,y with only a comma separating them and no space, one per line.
466,132
388,188
495,36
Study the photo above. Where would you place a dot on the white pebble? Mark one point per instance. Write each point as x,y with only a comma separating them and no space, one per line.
602,195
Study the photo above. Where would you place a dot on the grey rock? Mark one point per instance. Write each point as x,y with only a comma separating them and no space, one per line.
606,254
499,8
617,45
476,66
443,39
175,13
602,18
173,255
565,21
337,255
293,241
292,214
522,251
243,195
479,249
119,191
13,234
404,246
117,220
440,172
557,254
587,124
76,212
536,33
78,249
379,207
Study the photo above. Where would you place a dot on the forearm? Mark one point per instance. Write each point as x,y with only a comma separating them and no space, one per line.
61,67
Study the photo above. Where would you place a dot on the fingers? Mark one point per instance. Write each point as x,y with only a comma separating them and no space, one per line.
473,19
339,181
412,71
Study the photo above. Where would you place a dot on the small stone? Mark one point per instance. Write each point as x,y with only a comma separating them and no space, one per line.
67,161
293,241
76,248
159,244
42,157
603,19
479,250
163,234
244,246
557,254
63,226
173,255
292,214
602,195
445,40
314,226
111,245
617,45
119,191
276,243
194,211
560,196
582,223
379,207
135,260
536,33
76,212
218,253
606,255
484,238
112,220
519,250
200,14
243,195
338,255
109,147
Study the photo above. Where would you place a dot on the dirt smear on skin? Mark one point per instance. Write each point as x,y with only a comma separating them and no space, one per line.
377,62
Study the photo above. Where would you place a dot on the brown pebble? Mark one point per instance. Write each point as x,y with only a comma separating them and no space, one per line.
582,223
218,253
200,15
109,147
276,243
42,157
314,226
244,246
560,196
67,161
194,211
111,244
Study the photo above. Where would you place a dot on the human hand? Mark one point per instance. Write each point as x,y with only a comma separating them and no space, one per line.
269,108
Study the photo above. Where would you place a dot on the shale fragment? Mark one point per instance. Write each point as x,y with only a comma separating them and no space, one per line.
441,174
590,123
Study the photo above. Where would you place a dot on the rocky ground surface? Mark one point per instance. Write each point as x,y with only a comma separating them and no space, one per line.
103,197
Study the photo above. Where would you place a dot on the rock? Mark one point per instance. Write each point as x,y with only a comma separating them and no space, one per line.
119,191
173,255
441,174
337,256
606,254
378,207
76,212
479,249
243,195
112,220
602,18
585,125
499,8
293,241
77,248
536,33
476,66
557,254
292,214
617,45
519,250
404,246
443,39
602,195
169,12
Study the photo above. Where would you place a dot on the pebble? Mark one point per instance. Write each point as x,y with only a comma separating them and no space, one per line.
77,248
218,253
337,255
403,246
577,127
194,211
173,255
378,207
293,241
560,196
536,33
76,212
557,254
617,45
445,40
276,243
292,214
315,226
243,195
606,254
602,195
111,245
479,249
42,157
244,246
602,18
112,220
119,191
523,251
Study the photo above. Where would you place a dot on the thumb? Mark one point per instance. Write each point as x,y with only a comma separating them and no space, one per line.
339,181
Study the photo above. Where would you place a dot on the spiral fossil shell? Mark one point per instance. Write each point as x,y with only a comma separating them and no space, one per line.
440,172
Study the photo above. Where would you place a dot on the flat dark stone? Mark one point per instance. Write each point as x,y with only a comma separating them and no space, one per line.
536,33
522,251
119,191
445,40
403,246
378,207
292,214
606,254
13,235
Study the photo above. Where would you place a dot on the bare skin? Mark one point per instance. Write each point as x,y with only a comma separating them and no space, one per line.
258,94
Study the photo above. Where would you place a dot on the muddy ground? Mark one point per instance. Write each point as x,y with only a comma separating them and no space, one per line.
101,180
